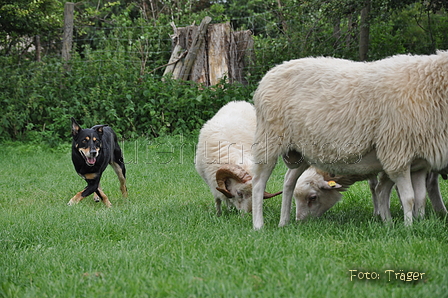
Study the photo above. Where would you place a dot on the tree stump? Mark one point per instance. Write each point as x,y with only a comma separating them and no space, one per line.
211,53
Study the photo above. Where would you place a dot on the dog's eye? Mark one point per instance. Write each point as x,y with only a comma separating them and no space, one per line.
84,141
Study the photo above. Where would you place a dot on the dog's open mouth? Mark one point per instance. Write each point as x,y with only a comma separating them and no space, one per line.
89,160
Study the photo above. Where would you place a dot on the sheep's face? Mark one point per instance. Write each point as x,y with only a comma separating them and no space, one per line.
235,184
314,195
241,194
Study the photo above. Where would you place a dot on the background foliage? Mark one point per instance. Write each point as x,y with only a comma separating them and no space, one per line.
115,75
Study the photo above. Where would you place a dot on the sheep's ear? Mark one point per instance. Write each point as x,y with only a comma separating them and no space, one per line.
329,184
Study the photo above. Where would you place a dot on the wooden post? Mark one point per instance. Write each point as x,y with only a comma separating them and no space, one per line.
38,47
218,52
192,52
241,47
364,31
67,38
175,58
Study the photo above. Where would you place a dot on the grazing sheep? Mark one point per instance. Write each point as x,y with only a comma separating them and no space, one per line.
223,155
317,191
352,118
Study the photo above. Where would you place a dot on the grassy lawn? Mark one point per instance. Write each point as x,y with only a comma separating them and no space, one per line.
165,240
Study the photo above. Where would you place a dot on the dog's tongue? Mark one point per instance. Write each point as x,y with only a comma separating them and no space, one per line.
91,160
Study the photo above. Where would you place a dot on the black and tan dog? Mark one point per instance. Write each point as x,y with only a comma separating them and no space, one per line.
92,150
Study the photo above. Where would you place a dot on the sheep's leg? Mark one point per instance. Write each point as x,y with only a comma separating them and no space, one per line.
404,185
373,182
262,172
296,166
418,179
289,184
383,191
432,186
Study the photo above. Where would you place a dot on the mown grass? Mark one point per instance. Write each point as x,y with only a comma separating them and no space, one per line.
164,240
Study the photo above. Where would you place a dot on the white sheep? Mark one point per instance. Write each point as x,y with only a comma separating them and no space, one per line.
223,155
352,118
317,191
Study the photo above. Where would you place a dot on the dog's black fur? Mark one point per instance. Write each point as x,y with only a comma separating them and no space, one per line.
92,150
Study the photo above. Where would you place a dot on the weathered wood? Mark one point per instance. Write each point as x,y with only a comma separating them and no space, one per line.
364,31
185,39
177,71
199,71
218,52
196,44
67,39
211,52
241,46
38,47
176,56
186,35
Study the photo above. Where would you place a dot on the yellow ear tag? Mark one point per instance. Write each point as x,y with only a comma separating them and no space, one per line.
331,183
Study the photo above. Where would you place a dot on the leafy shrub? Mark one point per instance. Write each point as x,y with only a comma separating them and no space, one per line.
39,99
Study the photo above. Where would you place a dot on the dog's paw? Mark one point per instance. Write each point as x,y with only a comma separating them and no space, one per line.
97,199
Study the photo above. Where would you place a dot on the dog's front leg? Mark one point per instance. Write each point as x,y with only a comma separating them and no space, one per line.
92,187
75,200
96,197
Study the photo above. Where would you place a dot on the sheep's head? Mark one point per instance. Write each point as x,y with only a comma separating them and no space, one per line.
315,193
236,184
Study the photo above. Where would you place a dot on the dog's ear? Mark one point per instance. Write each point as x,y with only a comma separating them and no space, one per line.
75,127
99,129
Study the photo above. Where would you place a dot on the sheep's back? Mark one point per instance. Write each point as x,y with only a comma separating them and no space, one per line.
226,139
333,109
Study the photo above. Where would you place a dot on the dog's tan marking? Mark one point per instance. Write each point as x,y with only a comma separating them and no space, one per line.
119,172
87,138
90,176
94,139
75,200
105,199
84,150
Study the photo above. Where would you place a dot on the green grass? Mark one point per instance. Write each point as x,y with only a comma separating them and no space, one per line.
164,240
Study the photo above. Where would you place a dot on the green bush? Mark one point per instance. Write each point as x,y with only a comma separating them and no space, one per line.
40,98
115,78
109,82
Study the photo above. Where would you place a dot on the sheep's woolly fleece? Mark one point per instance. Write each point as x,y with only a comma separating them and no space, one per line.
338,110
226,139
